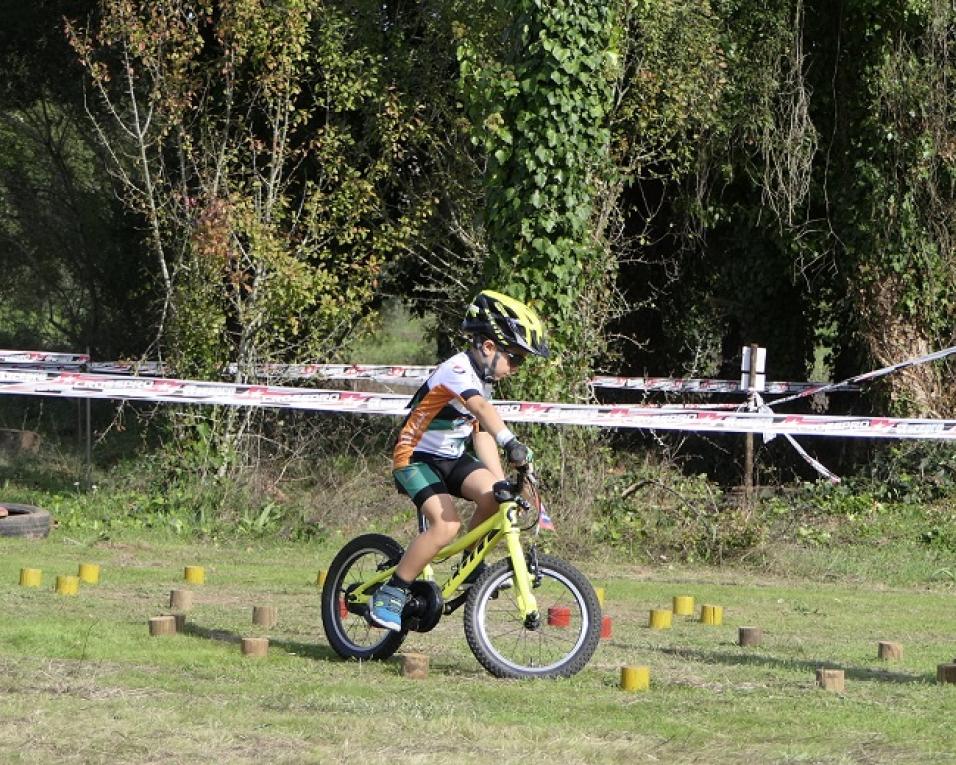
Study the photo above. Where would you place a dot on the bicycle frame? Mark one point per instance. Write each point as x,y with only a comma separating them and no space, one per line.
485,536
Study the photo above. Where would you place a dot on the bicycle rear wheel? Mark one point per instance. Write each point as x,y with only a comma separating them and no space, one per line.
348,632
558,644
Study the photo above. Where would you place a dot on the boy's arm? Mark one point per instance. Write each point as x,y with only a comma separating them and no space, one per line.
493,425
487,451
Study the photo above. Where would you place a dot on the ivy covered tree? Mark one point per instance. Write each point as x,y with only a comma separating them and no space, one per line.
539,102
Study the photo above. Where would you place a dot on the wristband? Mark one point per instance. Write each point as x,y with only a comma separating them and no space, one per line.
503,436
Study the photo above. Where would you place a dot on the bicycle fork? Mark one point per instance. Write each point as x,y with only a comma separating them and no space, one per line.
527,604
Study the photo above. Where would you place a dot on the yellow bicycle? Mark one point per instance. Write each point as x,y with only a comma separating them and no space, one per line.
528,615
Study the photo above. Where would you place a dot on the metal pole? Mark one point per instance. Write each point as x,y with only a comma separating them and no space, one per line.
88,477
749,438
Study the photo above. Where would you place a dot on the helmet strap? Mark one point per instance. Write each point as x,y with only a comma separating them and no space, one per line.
485,370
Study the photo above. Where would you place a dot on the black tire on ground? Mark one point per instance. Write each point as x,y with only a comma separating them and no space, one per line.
507,647
351,636
24,521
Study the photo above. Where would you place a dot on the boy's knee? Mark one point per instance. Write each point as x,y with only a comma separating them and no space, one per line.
445,531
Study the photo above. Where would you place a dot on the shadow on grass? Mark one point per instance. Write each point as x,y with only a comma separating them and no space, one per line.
810,666
309,650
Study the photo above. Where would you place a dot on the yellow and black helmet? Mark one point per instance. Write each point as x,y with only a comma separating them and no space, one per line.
509,322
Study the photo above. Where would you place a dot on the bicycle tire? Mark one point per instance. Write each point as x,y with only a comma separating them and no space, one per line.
351,636
506,647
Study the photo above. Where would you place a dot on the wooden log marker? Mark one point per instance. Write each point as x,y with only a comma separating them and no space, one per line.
559,616
89,573
946,673
414,666
749,636
31,577
320,578
712,615
194,574
67,585
264,616
606,628
181,600
830,680
255,646
683,605
888,651
660,619
601,593
635,678
180,622
162,625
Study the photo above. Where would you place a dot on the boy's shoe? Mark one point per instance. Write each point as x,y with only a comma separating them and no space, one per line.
385,607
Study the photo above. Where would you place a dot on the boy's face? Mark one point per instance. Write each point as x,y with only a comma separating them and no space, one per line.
507,362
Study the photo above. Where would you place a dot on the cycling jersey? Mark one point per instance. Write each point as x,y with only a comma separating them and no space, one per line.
439,423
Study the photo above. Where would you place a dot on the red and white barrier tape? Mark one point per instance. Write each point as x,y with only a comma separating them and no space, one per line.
397,374
85,385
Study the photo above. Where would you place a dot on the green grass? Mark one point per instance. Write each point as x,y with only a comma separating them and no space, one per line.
81,681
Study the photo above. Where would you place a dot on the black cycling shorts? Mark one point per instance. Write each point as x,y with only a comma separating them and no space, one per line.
427,475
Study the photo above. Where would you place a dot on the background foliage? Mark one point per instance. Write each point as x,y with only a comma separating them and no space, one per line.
215,183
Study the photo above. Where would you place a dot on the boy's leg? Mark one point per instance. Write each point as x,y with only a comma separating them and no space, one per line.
443,526
477,487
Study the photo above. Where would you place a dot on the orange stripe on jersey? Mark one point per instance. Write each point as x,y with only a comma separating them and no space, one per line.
418,422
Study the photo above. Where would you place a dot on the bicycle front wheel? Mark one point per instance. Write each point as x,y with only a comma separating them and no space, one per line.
348,631
558,644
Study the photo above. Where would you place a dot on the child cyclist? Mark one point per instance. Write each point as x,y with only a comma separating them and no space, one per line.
449,413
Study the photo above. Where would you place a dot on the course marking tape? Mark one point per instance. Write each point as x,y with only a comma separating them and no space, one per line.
398,374
85,385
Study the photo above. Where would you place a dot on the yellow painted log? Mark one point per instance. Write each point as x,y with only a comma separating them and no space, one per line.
89,573
67,585
711,614
320,578
660,619
683,605
194,574
31,577
600,592
635,678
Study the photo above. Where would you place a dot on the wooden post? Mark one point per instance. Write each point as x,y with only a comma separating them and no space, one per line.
889,651
946,673
660,619
89,573
711,614
67,585
264,616
415,666
749,442
255,646
635,678
162,625
830,680
31,577
194,574
749,636
606,628
180,620
180,600
683,605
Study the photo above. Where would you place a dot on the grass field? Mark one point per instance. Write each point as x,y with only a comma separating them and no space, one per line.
81,681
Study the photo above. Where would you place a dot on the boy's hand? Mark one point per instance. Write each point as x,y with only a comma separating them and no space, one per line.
518,454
